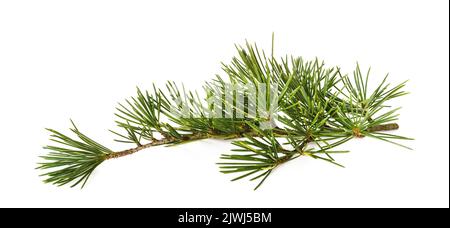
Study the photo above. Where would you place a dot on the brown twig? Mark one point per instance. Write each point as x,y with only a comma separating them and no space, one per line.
165,141
384,127
197,136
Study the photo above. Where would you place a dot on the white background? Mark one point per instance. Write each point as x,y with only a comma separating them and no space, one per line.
77,59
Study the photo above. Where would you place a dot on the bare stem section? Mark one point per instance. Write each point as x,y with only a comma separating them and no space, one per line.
164,141
384,127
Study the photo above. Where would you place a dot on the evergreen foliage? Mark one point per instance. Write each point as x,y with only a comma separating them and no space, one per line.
318,108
